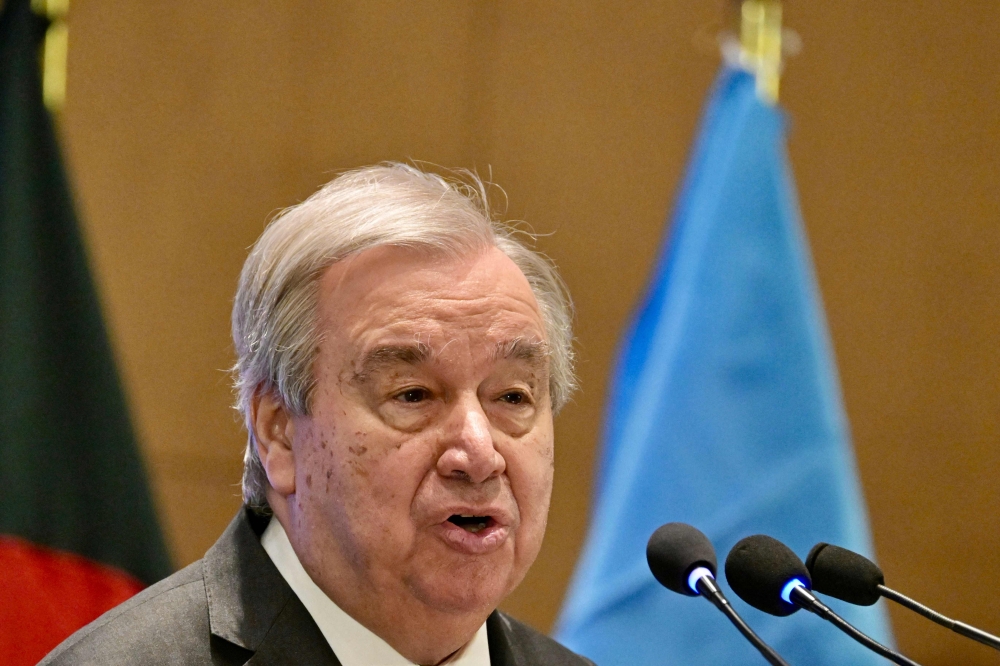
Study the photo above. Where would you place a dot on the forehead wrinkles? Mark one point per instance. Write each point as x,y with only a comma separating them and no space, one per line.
533,353
460,310
508,345
429,308
439,323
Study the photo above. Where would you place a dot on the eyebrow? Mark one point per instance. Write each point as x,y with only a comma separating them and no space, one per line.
387,355
535,352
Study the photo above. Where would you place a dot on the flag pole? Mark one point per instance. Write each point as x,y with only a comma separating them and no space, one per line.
54,52
760,45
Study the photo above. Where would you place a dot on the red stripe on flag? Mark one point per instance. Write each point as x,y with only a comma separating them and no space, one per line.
46,595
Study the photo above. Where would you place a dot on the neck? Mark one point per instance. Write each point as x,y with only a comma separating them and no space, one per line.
419,632
422,635
423,641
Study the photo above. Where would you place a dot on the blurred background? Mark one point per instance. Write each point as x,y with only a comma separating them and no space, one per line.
188,125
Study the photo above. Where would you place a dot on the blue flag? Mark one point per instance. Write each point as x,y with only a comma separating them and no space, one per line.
725,413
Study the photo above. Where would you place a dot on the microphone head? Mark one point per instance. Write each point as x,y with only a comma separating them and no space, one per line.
674,551
760,569
844,575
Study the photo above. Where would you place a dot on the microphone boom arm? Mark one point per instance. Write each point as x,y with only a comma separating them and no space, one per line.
932,615
806,599
708,589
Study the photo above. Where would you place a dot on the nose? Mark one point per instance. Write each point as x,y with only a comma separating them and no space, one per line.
469,454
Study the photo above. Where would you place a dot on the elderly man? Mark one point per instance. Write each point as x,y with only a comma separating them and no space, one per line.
399,359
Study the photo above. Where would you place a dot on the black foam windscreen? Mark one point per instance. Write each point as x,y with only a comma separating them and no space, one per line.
844,575
758,568
674,551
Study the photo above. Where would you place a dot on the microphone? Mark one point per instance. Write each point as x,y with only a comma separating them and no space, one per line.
850,577
766,574
683,560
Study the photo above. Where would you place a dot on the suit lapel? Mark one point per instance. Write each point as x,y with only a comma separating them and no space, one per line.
294,639
503,648
251,606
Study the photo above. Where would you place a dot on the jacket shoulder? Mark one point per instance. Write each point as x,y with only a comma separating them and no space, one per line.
166,623
533,647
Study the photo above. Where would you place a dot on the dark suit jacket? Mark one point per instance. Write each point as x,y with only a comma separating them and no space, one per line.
233,607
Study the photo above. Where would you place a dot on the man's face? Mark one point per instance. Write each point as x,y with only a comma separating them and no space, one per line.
425,467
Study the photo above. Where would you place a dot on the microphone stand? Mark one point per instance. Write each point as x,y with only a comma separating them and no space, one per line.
707,588
956,626
803,598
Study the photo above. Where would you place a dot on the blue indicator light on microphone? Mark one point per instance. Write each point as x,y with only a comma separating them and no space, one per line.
696,575
786,591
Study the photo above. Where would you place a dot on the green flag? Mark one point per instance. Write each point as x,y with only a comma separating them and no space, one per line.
71,478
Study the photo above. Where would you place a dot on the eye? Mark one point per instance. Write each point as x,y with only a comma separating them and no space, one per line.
413,395
514,397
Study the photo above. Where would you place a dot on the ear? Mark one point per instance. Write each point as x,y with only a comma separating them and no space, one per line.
274,432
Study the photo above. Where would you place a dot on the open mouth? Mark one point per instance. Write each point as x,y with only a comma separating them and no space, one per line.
471,524
475,533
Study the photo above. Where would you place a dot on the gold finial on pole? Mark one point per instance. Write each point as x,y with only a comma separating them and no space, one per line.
54,52
760,44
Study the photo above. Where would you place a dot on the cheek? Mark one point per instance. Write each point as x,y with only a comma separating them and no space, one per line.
365,476
529,468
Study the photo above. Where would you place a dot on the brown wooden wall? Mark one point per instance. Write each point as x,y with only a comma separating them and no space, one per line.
189,123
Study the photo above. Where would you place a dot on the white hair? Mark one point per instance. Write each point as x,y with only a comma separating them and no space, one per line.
274,313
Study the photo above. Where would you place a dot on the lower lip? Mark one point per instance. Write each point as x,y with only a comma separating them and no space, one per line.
486,540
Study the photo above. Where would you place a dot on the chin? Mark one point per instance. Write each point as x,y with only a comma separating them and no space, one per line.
476,586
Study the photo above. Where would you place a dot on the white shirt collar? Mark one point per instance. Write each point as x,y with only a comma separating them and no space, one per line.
353,643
